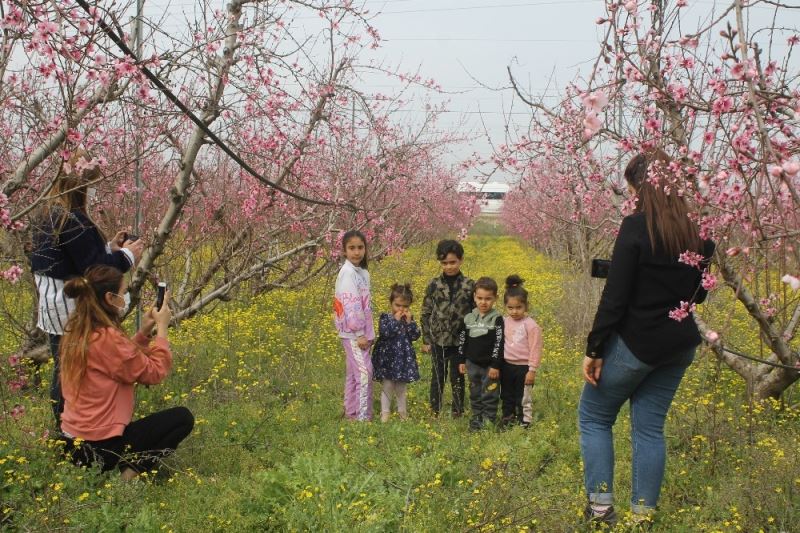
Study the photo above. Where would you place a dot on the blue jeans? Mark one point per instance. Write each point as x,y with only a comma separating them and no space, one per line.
650,390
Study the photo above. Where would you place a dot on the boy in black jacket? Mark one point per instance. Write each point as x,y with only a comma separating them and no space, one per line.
480,352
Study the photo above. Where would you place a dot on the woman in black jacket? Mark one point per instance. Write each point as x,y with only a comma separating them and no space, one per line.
643,338
66,242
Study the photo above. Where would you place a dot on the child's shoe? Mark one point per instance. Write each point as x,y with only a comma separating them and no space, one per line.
385,416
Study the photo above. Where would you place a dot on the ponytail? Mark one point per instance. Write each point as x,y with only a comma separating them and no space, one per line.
514,290
91,313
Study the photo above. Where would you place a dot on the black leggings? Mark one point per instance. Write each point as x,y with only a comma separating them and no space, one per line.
56,399
141,445
512,387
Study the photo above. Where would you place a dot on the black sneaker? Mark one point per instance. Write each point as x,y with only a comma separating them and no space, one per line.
609,516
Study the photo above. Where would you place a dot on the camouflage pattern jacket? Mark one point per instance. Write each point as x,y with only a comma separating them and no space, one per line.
443,312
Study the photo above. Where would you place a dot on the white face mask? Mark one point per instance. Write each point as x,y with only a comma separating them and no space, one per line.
124,309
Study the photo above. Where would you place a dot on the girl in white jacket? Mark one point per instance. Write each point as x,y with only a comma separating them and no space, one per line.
353,318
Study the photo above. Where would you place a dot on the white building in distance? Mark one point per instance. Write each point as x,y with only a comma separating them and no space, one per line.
490,194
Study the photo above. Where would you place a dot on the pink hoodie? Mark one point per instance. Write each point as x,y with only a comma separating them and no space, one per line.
523,342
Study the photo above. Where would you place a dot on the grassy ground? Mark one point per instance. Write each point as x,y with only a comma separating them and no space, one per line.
270,450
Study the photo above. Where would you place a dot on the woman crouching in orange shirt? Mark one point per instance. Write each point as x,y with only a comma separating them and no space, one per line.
100,366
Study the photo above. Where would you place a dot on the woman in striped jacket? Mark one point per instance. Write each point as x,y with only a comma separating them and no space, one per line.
66,242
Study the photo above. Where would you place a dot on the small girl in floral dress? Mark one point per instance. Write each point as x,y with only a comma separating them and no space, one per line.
393,359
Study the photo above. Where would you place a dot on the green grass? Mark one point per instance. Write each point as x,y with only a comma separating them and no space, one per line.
271,451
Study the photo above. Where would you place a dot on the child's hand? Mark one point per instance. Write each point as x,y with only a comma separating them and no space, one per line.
398,316
426,348
462,369
494,373
362,342
530,377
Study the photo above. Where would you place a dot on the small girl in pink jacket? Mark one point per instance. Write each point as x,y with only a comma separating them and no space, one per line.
353,319
521,355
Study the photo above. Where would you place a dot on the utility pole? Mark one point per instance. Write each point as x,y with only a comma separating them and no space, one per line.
138,47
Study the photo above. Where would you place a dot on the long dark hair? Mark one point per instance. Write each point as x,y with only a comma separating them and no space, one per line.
668,224
355,234
91,313
69,191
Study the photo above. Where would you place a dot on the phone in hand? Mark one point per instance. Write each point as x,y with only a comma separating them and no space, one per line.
600,268
160,292
129,237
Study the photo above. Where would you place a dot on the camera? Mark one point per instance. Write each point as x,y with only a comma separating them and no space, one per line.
600,268
162,289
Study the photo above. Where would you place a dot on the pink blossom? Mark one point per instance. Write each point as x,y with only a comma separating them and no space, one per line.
652,124
595,101
690,258
12,274
681,3
791,167
680,313
17,412
592,122
631,6
712,336
709,281
722,105
792,281
124,68
13,360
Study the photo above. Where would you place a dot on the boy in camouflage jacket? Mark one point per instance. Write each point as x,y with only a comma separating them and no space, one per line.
448,298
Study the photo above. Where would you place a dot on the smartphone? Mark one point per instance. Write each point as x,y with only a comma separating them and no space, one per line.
600,268
162,289
130,237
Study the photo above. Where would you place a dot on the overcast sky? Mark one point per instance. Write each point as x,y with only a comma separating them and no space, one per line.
468,44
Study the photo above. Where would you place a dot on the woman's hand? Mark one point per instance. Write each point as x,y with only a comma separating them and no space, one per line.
162,316
591,370
494,373
362,342
148,323
530,377
136,247
118,240
462,369
426,348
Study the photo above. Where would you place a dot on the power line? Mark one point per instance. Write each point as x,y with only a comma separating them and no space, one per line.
495,6
489,40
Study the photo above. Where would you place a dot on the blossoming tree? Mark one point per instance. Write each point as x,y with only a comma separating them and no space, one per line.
314,155
722,98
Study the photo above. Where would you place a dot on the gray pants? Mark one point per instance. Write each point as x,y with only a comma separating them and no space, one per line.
484,395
